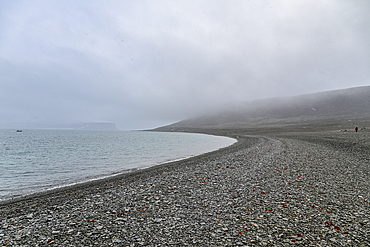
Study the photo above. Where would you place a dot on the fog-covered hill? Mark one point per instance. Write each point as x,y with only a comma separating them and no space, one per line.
340,109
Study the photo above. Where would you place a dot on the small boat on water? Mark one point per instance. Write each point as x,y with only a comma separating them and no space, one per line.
19,130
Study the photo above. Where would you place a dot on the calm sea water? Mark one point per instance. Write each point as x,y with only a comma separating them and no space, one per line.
37,160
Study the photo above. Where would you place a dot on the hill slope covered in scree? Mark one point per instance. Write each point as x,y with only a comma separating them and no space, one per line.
335,109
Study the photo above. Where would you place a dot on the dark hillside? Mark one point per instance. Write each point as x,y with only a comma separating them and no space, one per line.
335,109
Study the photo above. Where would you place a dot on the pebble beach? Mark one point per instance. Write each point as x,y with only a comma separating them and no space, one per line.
306,189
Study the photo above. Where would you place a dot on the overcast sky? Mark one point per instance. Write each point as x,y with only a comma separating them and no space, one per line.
142,64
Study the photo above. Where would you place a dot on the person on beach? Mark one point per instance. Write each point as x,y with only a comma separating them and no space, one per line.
356,129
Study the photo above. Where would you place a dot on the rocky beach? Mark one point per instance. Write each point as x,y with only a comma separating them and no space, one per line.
274,189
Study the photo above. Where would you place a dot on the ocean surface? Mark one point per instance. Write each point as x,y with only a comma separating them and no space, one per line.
37,160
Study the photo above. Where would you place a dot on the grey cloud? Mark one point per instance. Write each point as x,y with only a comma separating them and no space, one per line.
154,62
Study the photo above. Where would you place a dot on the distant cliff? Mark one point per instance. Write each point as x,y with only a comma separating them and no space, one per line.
94,126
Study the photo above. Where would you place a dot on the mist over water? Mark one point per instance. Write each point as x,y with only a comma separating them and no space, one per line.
37,160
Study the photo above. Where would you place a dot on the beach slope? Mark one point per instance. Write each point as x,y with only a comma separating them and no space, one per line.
308,188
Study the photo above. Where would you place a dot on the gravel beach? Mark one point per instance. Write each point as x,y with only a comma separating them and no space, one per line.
308,189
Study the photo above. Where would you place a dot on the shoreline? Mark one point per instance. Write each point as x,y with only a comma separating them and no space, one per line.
97,181
93,181
276,189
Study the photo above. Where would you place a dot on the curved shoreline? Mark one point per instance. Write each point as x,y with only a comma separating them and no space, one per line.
95,182
92,182
270,190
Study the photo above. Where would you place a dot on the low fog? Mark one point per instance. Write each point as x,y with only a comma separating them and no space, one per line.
143,64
